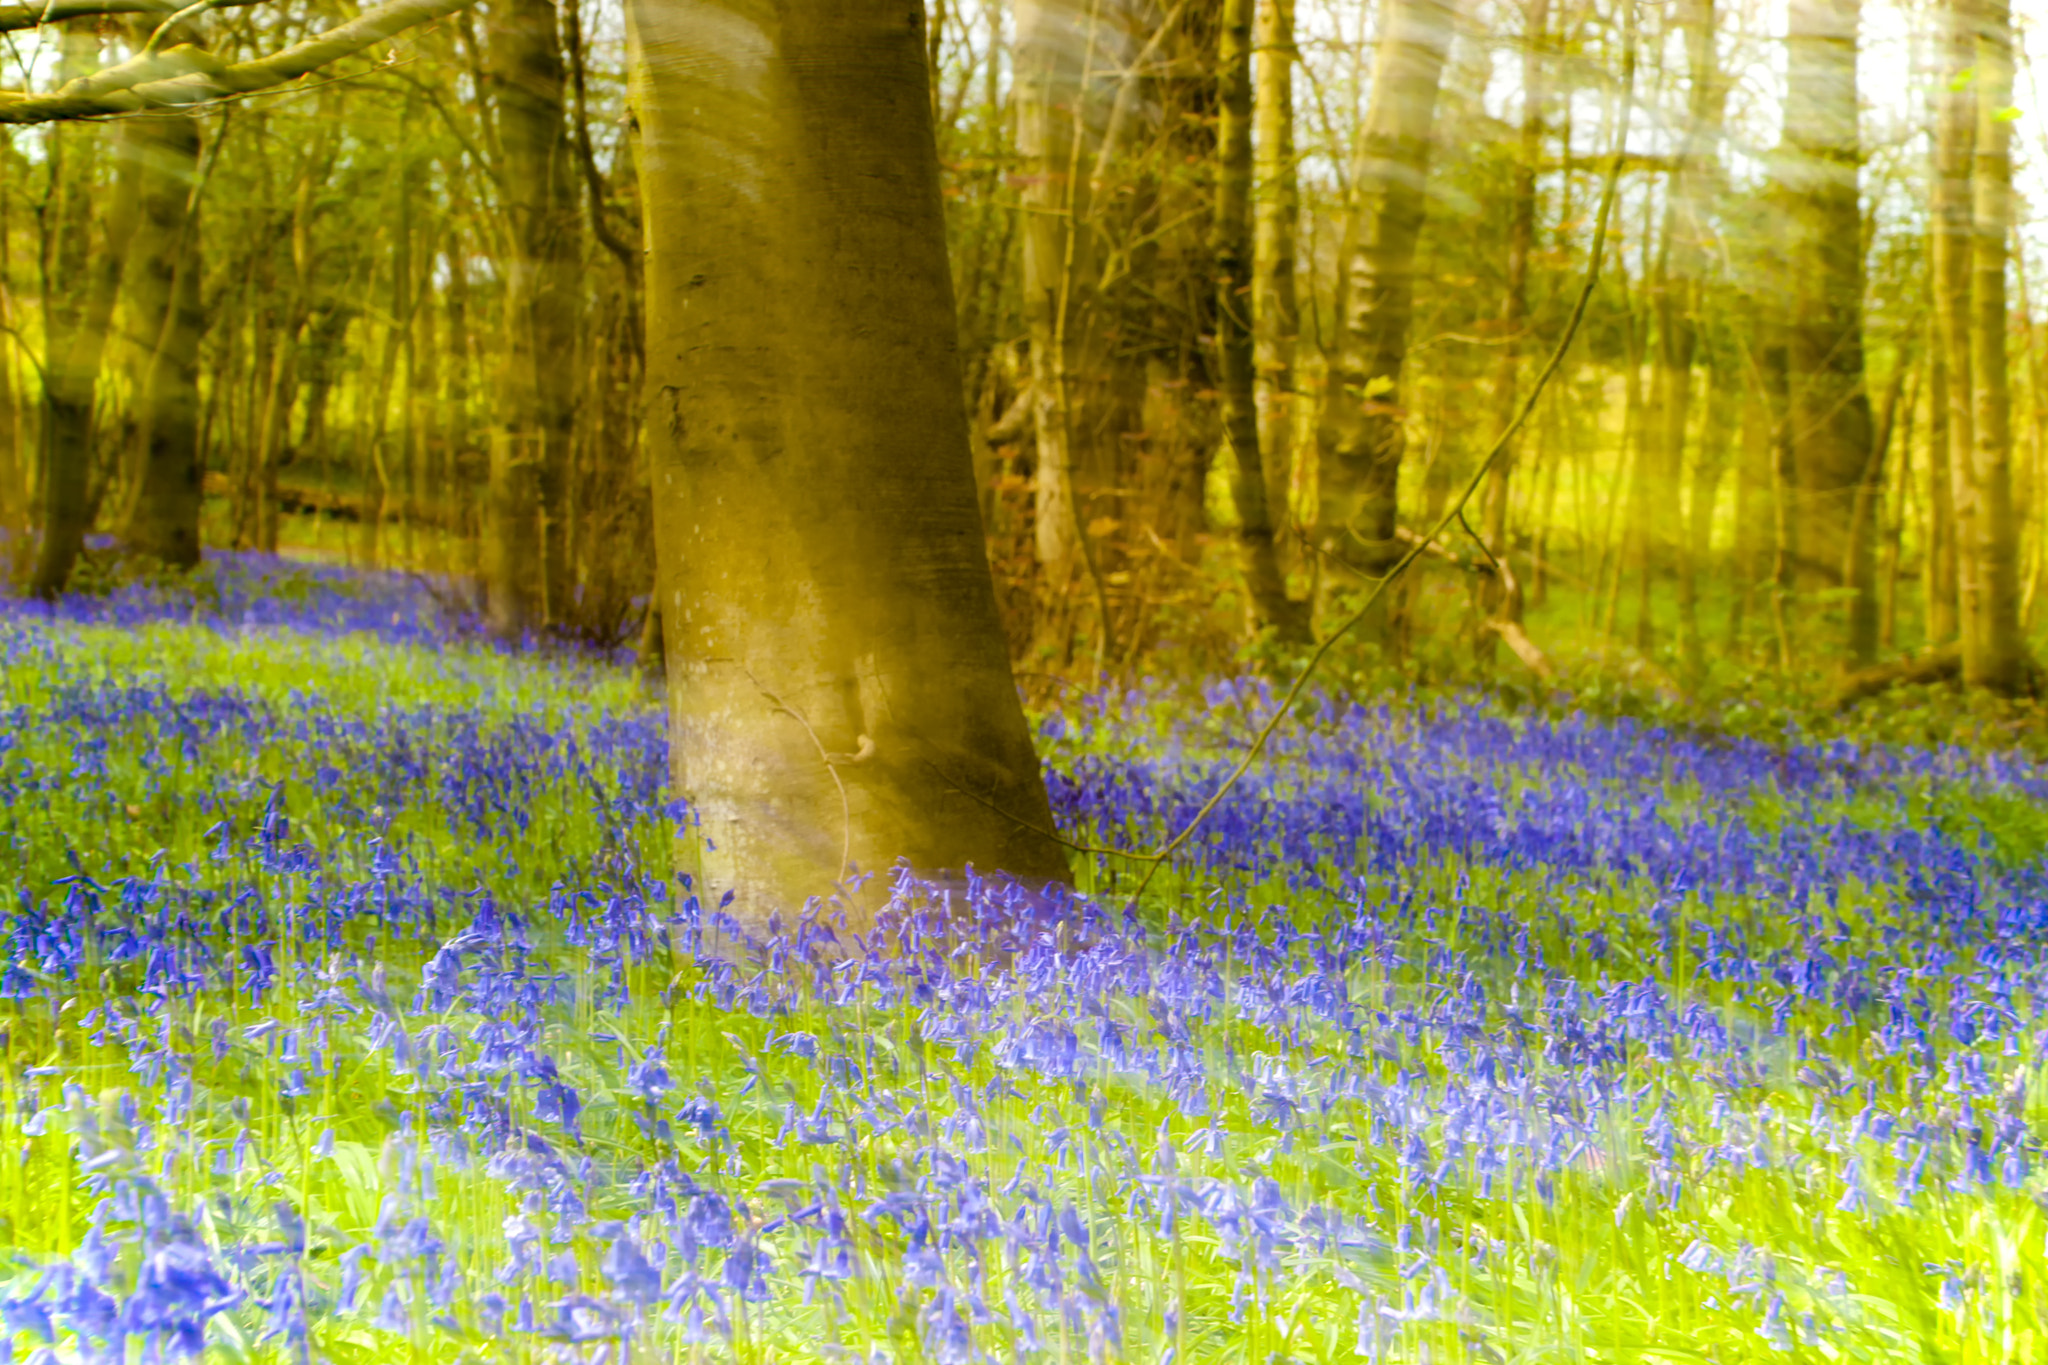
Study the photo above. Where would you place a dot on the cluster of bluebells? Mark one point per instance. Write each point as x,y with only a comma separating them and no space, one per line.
1456,1034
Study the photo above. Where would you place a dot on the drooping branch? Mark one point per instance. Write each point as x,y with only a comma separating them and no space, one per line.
186,75
14,18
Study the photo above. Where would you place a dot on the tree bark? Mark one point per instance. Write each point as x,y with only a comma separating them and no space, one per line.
1276,206
525,564
1067,55
1939,570
1680,306
1501,597
169,322
81,280
1830,415
1359,439
1754,520
1994,656
1231,243
839,689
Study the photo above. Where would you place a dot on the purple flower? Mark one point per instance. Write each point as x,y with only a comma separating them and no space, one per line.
629,1272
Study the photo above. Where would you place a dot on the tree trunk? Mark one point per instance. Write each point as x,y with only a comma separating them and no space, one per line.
839,689
1994,656
1276,206
1831,419
1954,423
1939,570
1754,526
1080,99
1231,242
82,276
1359,438
525,565
1501,596
164,273
16,461
1679,304
1901,506
1717,434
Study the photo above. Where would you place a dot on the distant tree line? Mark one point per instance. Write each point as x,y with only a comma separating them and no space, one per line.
1241,293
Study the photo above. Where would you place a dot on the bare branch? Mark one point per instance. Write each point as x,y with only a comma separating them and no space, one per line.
14,18
187,75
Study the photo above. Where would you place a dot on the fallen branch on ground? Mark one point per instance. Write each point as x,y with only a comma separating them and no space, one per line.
1935,665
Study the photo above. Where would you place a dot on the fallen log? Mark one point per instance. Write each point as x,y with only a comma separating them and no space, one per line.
1935,665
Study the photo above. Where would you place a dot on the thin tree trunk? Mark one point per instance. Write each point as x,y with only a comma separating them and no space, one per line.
1231,242
1895,529
1753,503
840,692
1717,434
164,272
526,566
1276,318
1680,304
1359,440
1078,75
1994,656
1502,594
82,275
1830,415
15,459
1949,229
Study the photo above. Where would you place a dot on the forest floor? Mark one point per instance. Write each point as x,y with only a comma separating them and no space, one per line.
349,1014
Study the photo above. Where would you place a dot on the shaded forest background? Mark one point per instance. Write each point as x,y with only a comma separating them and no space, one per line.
1245,293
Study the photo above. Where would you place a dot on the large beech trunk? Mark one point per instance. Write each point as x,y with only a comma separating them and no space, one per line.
839,690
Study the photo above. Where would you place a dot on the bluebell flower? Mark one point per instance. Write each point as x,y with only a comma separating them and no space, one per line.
627,1268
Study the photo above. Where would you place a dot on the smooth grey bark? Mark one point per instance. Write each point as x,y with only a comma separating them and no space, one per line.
839,687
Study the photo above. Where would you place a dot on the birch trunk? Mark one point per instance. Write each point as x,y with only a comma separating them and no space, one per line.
1359,439
1231,243
1276,206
